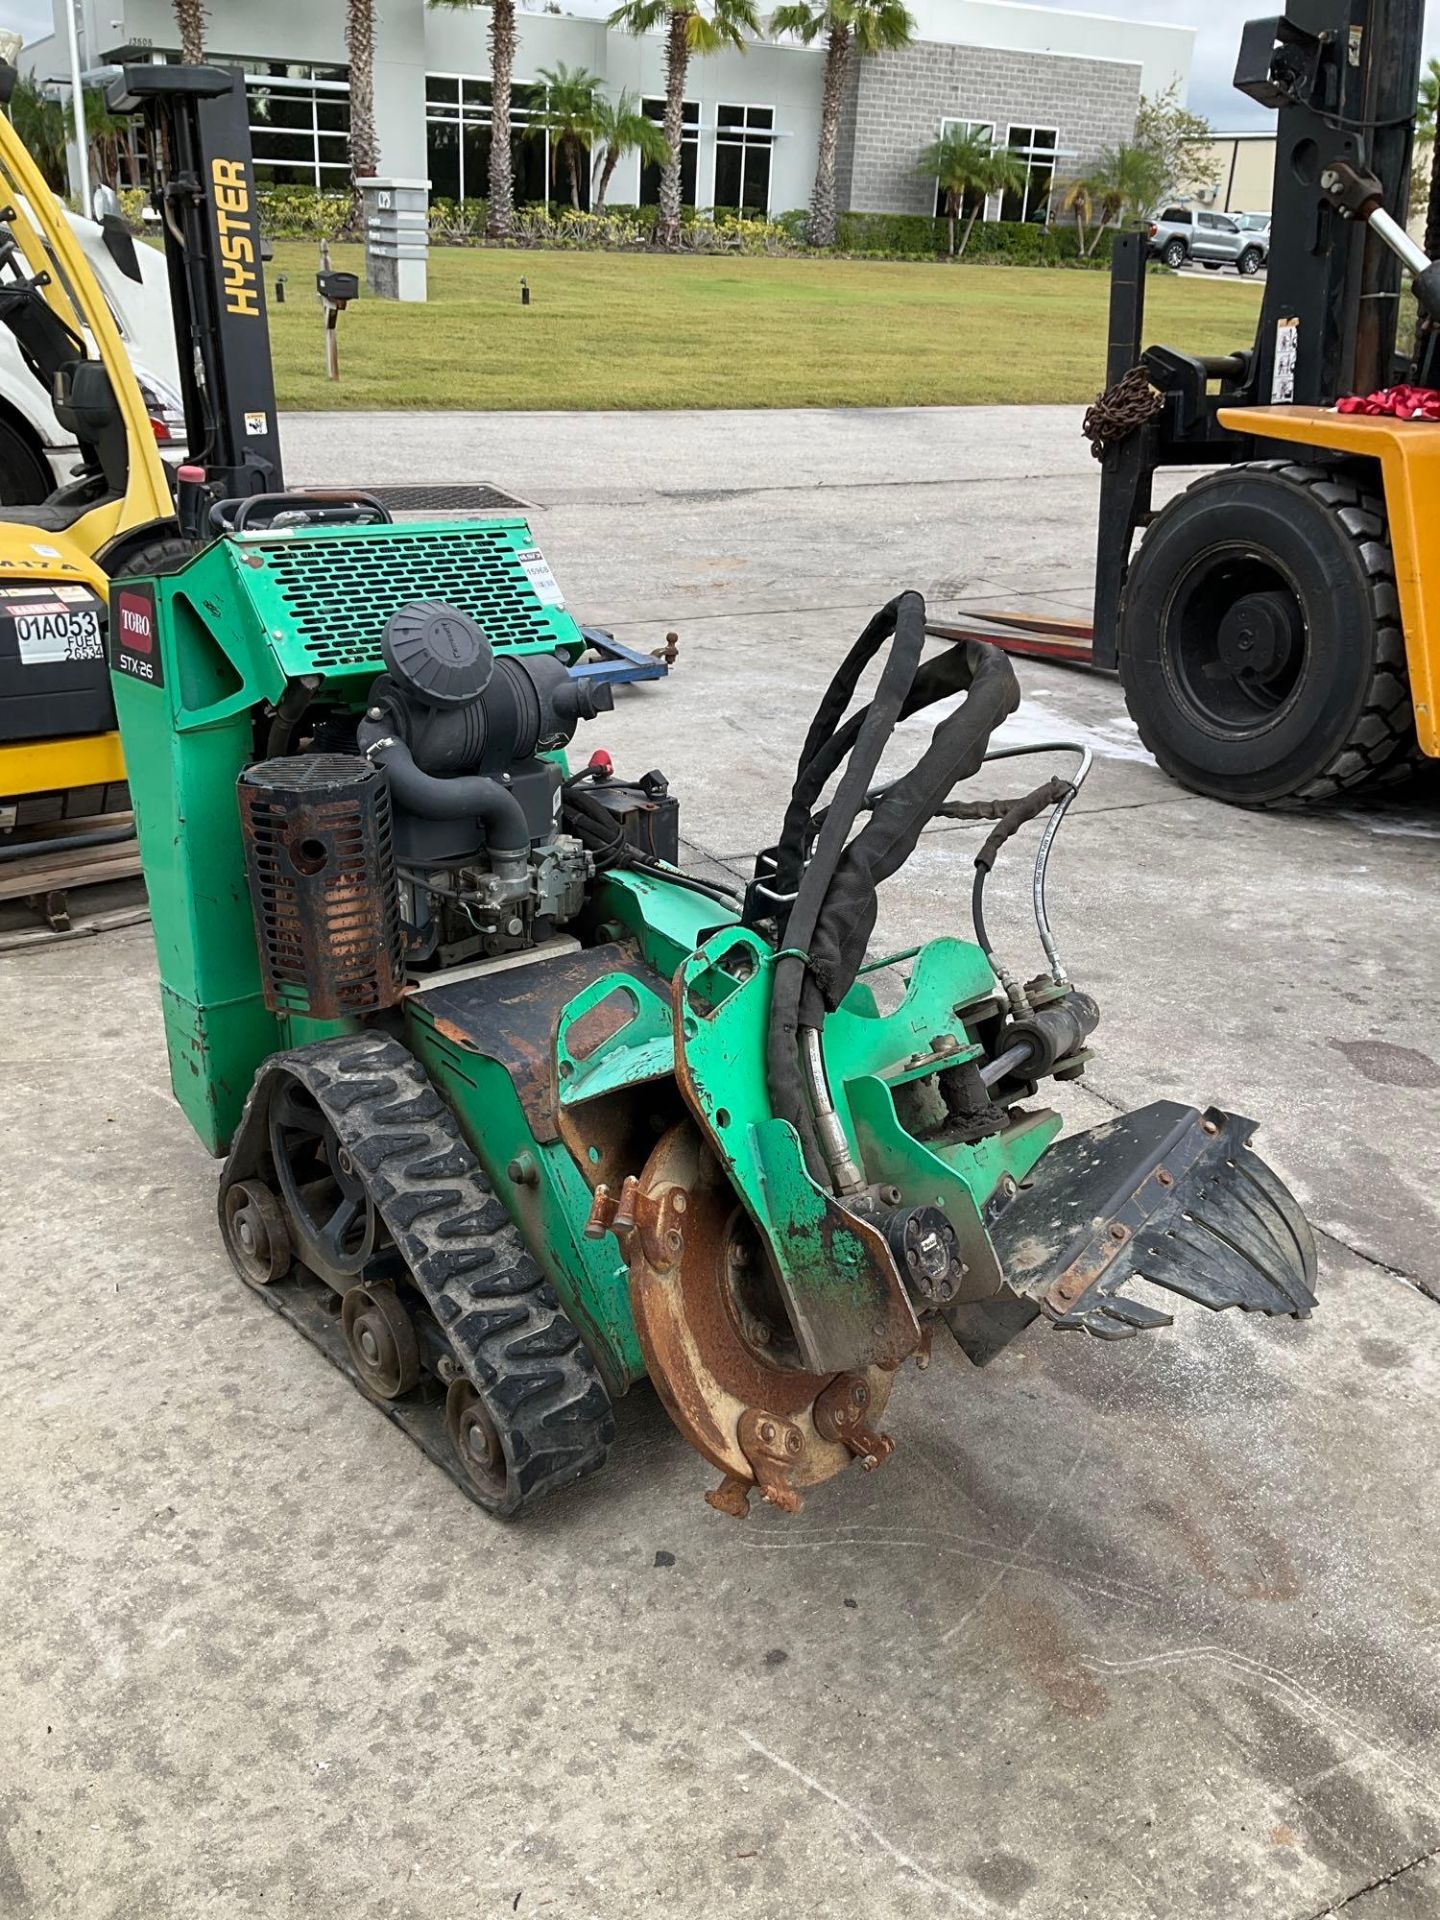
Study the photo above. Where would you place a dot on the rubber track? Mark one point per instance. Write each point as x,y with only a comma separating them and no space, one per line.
1382,746
504,1323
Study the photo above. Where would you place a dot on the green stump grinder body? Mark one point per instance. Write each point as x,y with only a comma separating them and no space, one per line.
515,1113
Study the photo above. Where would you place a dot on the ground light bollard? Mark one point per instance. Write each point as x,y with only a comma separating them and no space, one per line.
336,291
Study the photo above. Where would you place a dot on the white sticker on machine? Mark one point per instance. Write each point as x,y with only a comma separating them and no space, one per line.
1282,377
257,423
53,625
537,572
47,638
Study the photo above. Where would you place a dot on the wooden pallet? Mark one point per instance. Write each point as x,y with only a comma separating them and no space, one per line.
45,876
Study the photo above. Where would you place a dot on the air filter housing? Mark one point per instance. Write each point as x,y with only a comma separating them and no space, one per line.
321,865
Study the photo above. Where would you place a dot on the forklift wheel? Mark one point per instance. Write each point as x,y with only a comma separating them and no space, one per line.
1260,644
25,476
158,554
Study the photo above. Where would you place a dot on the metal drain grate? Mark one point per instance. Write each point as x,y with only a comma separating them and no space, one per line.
447,497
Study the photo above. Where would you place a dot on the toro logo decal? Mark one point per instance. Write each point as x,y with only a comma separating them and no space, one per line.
134,651
236,231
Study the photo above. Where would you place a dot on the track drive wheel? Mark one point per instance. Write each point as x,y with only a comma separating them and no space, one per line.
1261,652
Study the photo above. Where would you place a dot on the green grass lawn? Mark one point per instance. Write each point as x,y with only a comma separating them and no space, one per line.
643,330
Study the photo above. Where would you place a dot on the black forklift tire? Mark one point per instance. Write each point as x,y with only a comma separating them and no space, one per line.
1174,253
167,553
1249,262
25,476
1261,651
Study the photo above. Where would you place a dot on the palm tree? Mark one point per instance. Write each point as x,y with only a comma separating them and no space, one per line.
621,128
968,162
40,123
502,68
190,17
106,136
1078,197
849,26
569,117
360,45
1124,180
687,31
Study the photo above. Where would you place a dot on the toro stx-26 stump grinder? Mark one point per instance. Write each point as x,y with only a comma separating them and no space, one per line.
515,1112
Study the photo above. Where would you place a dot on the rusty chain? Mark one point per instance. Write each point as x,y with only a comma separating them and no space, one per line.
1120,411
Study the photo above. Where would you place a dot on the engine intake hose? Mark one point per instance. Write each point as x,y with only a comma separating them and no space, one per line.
461,797
832,916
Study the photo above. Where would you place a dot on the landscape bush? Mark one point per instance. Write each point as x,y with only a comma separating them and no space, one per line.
302,213
916,236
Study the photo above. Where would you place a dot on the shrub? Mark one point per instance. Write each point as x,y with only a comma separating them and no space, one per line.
915,236
301,213
900,236
286,213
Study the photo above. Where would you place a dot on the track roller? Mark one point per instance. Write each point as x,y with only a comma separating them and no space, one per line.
381,1337
256,1236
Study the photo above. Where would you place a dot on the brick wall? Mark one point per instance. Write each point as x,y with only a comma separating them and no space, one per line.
896,101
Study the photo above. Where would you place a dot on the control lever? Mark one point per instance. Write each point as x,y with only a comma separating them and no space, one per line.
1356,194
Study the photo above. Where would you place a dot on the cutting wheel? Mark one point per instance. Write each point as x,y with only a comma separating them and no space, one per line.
714,1335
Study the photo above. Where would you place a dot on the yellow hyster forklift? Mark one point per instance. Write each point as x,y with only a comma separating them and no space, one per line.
59,748
1277,632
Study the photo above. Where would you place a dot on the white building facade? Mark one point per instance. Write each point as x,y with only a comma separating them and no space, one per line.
1056,86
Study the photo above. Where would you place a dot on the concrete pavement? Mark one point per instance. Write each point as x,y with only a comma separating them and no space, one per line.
1147,1631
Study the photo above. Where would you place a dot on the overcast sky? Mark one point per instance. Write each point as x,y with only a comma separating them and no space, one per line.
1215,44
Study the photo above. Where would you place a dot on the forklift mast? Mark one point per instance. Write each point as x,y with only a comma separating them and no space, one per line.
1342,76
198,137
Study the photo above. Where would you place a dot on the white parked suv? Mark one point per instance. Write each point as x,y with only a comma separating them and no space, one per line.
36,454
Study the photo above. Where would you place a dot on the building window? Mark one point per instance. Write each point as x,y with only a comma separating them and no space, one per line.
457,141
969,128
1034,148
689,155
743,139
299,124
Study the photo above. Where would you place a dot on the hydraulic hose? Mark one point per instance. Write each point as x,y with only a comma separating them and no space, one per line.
902,622
463,797
824,934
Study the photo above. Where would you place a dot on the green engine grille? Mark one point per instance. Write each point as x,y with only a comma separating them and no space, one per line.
325,595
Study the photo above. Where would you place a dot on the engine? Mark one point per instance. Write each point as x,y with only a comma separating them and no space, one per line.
483,865
439,828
